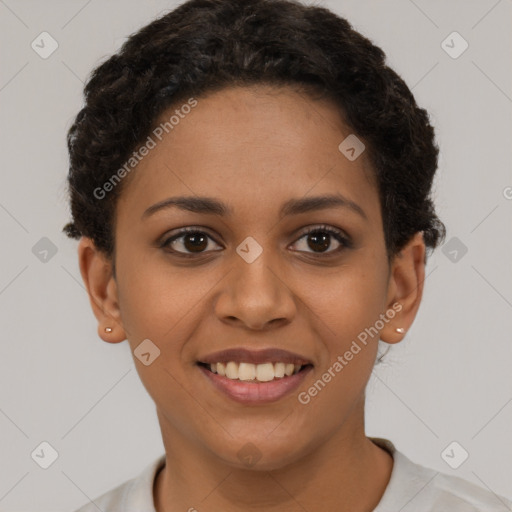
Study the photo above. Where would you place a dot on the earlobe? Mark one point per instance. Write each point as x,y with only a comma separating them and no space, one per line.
405,288
96,271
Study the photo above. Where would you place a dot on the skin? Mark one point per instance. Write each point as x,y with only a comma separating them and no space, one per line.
255,148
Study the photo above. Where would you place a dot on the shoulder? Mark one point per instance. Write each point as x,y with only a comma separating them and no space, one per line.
451,491
416,488
134,495
111,501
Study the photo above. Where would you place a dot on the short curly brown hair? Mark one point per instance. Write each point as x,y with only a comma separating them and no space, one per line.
206,45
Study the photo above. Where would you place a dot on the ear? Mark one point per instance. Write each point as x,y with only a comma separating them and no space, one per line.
96,270
405,288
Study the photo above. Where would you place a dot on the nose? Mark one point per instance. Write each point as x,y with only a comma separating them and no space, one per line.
256,296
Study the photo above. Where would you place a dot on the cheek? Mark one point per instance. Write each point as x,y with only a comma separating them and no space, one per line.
344,311
349,300
159,304
155,298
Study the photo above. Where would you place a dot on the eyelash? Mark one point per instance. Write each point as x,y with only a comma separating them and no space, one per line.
337,234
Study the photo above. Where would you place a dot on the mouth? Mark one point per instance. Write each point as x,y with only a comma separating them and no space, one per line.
254,373
253,378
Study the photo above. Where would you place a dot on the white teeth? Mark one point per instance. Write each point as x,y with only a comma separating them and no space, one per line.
288,369
221,369
279,370
246,371
264,372
232,370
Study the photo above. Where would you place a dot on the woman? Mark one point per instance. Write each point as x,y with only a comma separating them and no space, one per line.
251,187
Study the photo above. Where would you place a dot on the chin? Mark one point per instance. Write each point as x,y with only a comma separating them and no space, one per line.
260,453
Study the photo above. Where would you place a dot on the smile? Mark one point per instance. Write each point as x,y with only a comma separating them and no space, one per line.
250,383
255,372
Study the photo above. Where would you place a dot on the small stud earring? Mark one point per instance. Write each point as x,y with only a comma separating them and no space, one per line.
400,330
108,329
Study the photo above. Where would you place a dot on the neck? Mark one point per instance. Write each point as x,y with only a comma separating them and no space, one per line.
348,471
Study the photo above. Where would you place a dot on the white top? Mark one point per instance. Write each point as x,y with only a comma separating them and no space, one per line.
411,488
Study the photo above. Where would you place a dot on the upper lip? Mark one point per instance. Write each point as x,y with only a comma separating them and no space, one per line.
269,355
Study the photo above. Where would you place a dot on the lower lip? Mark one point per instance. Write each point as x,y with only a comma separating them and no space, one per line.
256,392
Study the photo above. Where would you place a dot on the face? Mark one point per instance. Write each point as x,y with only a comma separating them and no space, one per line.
270,268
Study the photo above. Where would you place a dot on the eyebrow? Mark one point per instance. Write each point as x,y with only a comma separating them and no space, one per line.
211,206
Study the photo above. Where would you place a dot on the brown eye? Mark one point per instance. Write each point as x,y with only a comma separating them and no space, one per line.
319,240
188,241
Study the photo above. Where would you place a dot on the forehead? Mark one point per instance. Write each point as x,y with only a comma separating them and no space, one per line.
252,147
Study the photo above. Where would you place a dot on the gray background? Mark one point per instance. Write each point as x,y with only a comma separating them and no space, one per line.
449,380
